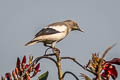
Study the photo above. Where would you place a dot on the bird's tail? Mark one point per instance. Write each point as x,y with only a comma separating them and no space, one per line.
31,42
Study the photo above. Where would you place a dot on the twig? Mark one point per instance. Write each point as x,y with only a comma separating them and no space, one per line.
47,50
52,54
107,50
74,60
68,72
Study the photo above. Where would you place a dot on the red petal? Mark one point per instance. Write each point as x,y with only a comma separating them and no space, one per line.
24,60
111,70
103,74
114,61
37,67
8,76
36,70
26,66
18,63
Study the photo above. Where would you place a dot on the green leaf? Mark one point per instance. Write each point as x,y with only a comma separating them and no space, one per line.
44,76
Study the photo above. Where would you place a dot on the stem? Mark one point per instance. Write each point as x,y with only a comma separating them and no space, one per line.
68,72
57,54
74,60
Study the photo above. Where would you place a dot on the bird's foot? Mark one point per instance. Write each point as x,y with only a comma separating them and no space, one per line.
55,50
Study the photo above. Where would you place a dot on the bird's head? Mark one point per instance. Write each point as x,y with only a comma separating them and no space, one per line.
73,25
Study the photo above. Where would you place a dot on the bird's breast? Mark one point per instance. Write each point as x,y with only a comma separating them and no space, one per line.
54,37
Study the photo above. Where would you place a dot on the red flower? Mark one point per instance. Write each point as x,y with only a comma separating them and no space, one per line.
109,70
26,66
8,76
22,67
114,61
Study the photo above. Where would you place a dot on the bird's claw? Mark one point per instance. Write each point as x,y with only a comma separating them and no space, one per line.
54,50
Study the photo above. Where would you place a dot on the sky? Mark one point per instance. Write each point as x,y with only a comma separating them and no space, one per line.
20,20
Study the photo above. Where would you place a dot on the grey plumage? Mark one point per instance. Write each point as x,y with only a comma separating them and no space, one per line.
54,33
46,31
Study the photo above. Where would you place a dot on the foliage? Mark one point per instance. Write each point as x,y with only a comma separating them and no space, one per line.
43,76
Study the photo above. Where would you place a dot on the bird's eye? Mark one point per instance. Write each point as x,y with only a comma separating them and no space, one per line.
75,24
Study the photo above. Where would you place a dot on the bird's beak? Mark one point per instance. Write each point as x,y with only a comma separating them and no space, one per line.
80,30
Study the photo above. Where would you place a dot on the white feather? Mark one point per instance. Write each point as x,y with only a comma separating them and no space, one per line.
31,44
60,28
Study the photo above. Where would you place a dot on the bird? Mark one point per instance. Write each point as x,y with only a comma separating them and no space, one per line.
54,33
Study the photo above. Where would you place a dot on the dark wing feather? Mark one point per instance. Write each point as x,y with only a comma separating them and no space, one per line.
46,31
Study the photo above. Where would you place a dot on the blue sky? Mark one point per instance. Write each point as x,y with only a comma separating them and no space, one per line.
20,20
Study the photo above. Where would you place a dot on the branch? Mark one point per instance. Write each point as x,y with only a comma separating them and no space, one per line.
47,50
58,57
68,72
74,60
52,54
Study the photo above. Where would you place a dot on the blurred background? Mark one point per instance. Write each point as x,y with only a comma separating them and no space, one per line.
20,20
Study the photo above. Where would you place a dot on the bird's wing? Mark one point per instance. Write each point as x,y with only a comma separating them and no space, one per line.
59,26
52,29
46,31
